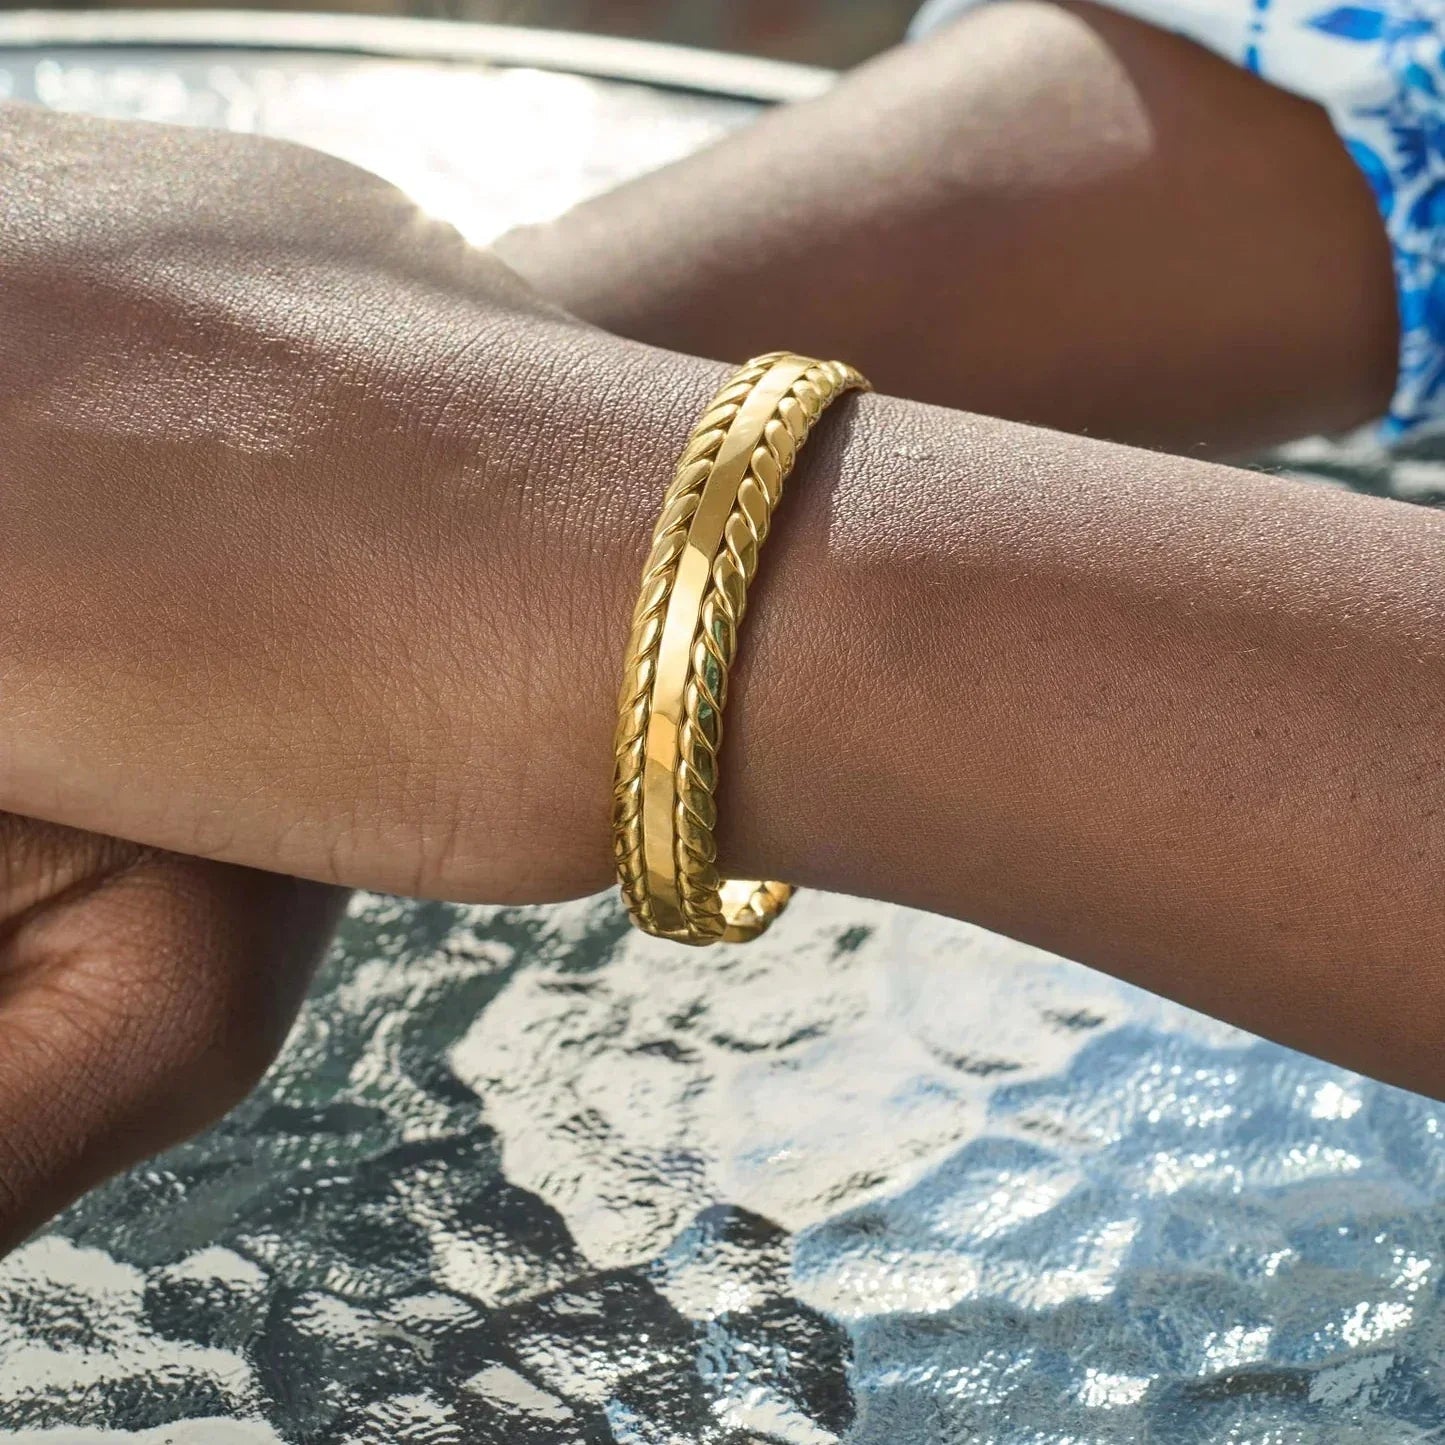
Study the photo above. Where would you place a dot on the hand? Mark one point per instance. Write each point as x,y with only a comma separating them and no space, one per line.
313,552
141,994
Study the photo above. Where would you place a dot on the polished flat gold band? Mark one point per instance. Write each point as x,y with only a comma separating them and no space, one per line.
715,518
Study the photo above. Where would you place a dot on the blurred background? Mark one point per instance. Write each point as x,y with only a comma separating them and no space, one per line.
818,32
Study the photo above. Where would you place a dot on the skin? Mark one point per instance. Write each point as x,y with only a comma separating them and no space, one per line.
319,533
1049,213
142,994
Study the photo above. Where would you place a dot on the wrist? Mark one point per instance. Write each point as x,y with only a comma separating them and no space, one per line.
805,674
595,437
643,405
596,433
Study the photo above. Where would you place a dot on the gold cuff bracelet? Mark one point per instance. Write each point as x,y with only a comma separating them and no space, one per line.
715,517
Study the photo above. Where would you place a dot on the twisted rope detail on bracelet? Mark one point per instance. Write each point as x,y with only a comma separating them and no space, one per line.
679,502
713,650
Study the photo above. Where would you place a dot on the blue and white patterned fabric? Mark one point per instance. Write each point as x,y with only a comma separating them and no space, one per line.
1378,68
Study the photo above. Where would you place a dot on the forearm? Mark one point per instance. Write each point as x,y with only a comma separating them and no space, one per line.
1171,719
1174,720
1048,212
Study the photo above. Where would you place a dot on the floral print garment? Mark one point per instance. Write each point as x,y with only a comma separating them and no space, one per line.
1378,68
